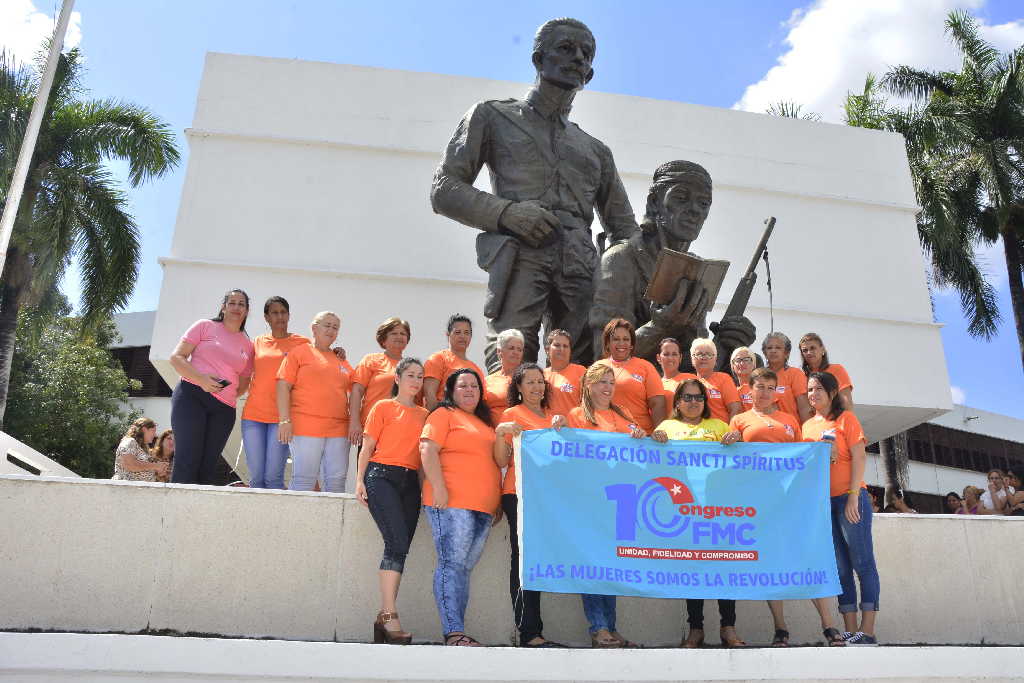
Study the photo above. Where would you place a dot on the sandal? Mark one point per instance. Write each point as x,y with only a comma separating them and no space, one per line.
457,639
625,643
834,638
604,639
544,643
781,638
694,639
729,637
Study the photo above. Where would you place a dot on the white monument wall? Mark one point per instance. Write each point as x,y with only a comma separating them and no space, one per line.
311,180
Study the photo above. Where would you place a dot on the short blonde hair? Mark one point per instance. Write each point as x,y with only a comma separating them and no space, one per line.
508,335
323,314
702,342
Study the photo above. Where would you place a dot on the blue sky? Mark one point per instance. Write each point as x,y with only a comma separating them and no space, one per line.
726,53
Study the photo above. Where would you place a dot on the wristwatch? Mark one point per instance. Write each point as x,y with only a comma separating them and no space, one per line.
285,421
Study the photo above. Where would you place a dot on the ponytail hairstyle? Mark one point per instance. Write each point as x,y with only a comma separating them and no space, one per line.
219,318
402,366
515,396
829,383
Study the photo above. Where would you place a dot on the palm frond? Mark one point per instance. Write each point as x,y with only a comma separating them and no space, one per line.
917,84
791,110
962,28
110,129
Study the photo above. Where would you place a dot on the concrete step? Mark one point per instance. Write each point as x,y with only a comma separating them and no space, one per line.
90,658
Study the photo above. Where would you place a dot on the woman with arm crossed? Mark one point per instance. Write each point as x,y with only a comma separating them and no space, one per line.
597,411
791,387
851,507
743,362
723,398
528,407
388,483
766,422
462,458
312,401
564,378
691,421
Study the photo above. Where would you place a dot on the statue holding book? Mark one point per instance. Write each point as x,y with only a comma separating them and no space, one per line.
653,281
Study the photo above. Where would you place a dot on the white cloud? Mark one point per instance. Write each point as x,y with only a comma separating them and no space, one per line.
23,29
834,44
958,394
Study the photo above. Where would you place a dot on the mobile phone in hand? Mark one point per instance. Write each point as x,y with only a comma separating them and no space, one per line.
222,382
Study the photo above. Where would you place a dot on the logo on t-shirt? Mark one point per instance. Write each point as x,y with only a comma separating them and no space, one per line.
714,393
638,378
567,388
746,398
780,390
789,430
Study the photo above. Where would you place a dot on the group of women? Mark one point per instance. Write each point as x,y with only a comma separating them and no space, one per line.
142,456
1003,496
447,425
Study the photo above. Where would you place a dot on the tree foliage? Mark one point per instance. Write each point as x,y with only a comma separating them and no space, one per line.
72,207
964,131
68,395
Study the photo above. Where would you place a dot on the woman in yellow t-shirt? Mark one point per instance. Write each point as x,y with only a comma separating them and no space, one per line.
691,421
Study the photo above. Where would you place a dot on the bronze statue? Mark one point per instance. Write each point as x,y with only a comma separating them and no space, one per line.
548,176
677,206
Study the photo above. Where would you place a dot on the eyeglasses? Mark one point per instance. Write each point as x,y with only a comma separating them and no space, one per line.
691,398
703,354
742,360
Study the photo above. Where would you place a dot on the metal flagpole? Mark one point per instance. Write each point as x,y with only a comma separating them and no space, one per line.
28,144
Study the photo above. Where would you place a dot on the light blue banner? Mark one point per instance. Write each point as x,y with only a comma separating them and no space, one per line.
611,515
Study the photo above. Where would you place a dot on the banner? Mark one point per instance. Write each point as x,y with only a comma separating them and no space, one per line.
608,514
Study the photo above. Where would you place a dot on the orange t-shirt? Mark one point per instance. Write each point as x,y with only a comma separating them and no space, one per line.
671,384
636,380
847,431
527,419
261,406
779,427
496,395
607,420
442,364
746,397
842,377
792,384
396,430
564,387
376,373
470,474
320,385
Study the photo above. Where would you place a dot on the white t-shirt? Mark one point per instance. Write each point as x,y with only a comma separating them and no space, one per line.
986,497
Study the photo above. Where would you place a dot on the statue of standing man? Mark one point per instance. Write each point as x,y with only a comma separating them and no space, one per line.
548,176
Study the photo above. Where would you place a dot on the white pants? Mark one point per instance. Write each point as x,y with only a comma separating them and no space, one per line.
308,452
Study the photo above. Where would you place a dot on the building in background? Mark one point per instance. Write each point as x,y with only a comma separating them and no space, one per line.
153,398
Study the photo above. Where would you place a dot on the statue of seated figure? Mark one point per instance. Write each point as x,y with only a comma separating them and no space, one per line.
677,206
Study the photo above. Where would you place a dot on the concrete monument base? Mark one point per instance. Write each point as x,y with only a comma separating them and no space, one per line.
92,658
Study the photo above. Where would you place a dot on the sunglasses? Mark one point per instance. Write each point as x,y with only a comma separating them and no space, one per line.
691,398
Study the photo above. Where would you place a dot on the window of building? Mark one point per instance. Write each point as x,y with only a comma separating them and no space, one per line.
135,361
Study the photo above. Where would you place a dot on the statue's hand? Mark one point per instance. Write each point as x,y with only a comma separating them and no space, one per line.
687,308
528,221
735,331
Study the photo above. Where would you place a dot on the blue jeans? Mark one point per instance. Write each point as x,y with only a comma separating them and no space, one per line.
307,454
264,454
855,553
459,537
600,611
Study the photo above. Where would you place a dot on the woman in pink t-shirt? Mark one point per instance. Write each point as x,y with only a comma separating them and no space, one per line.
215,361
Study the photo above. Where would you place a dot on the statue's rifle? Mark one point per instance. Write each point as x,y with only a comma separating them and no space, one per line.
740,299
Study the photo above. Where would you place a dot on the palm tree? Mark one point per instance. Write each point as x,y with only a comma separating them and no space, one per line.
965,133
788,109
72,207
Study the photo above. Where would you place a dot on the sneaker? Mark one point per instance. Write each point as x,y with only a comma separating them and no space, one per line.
846,635
861,639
